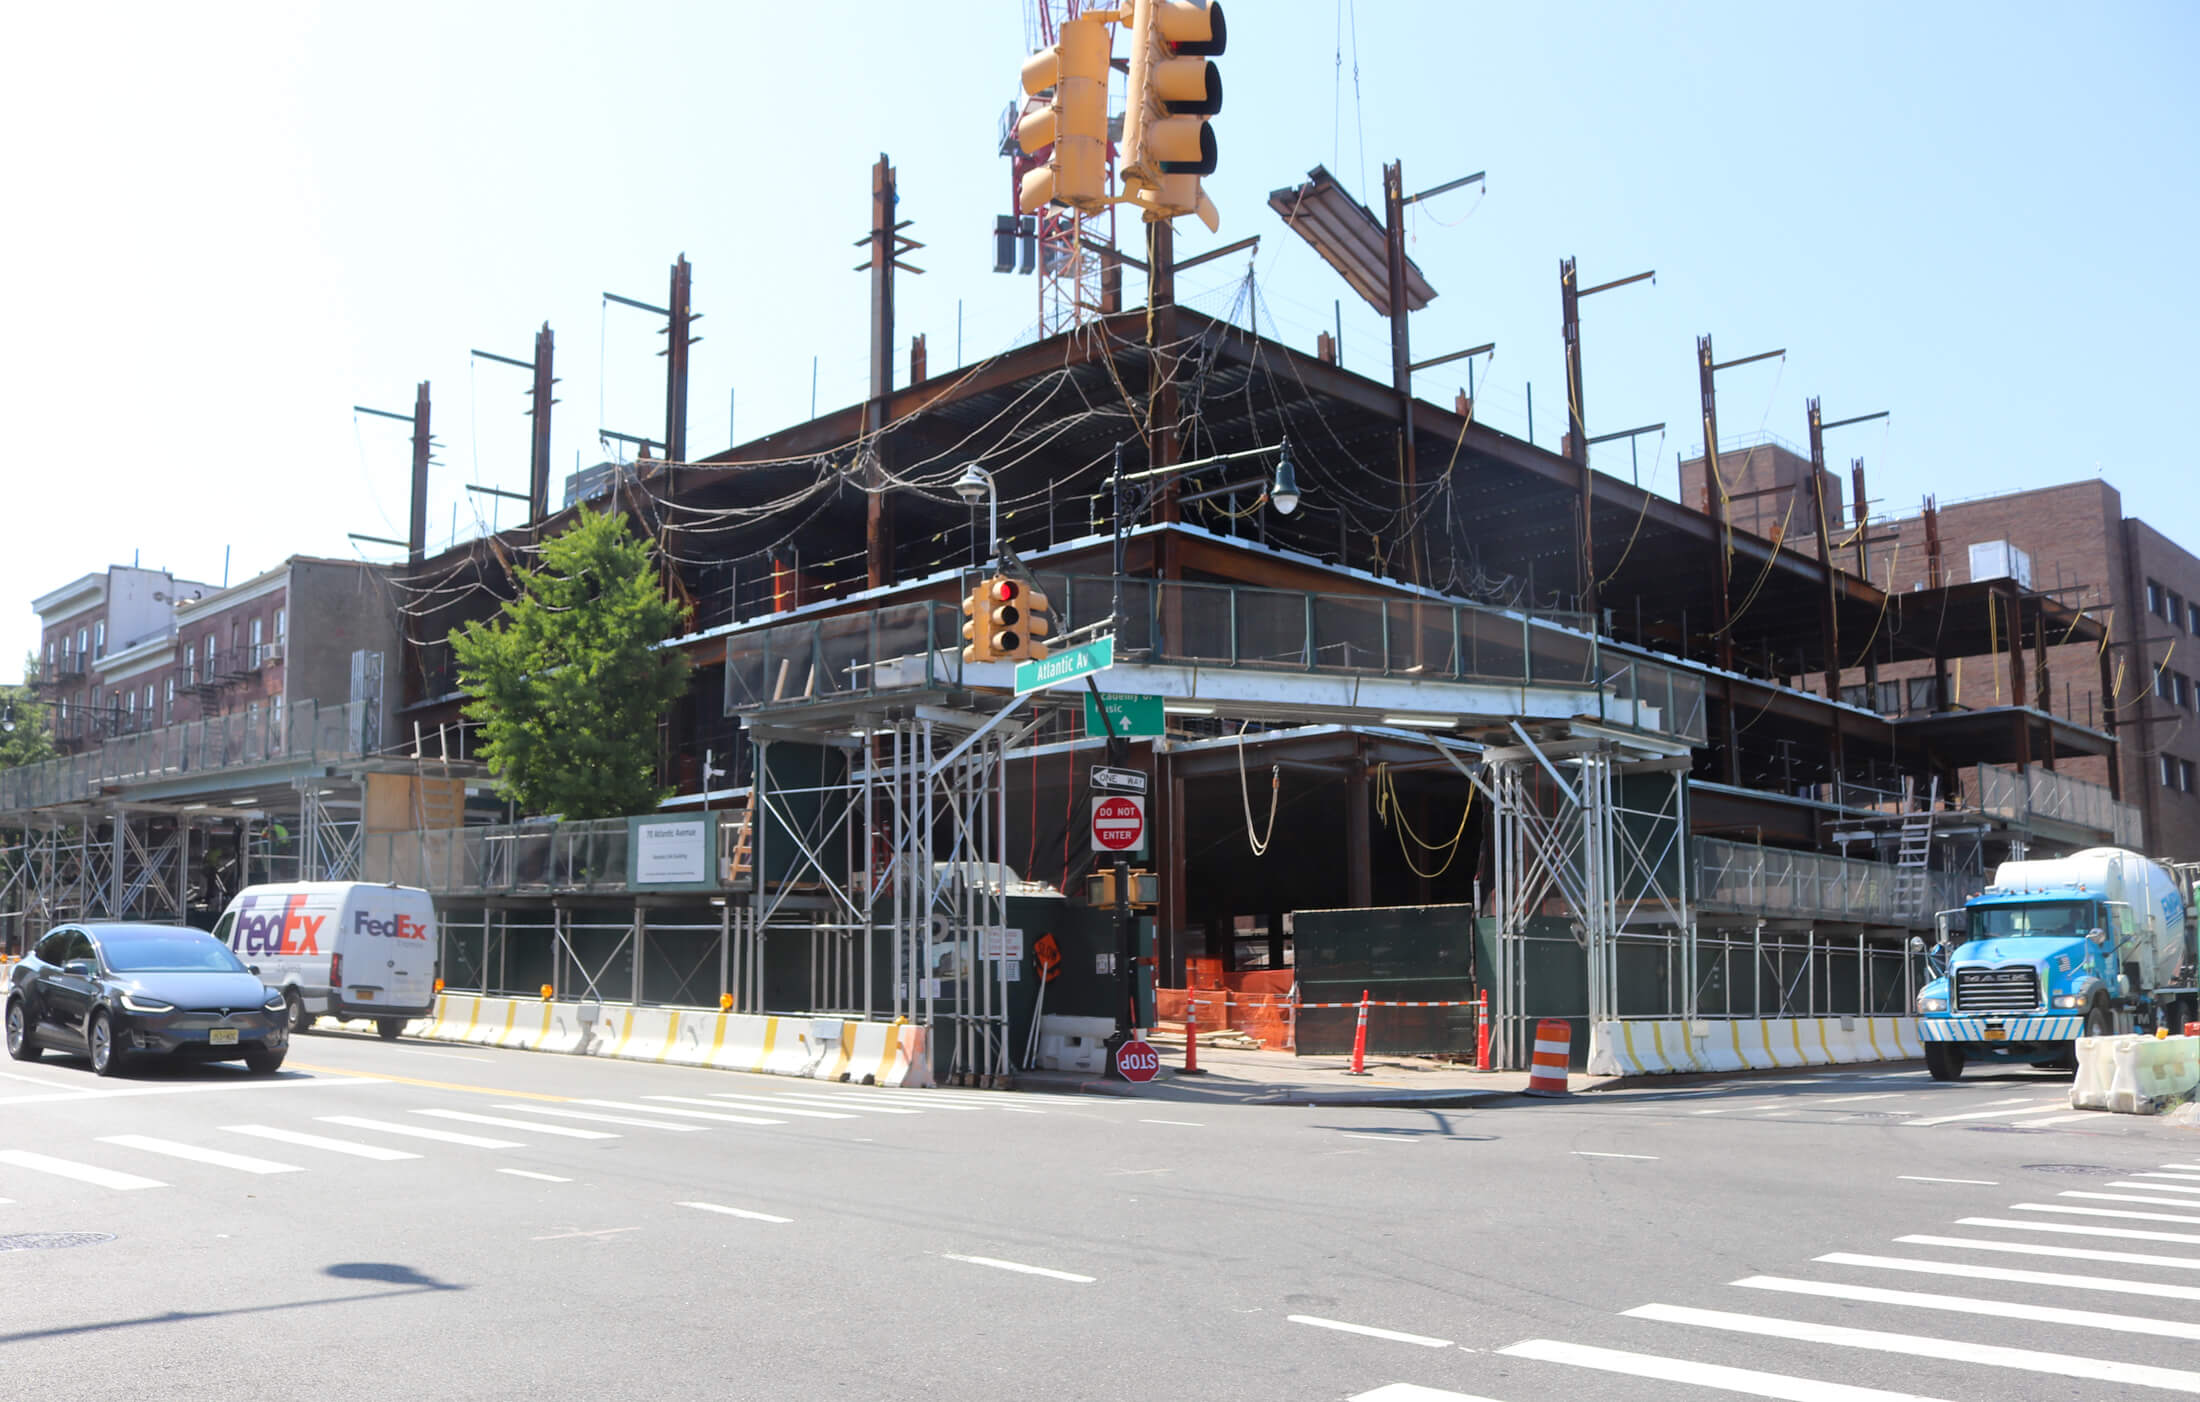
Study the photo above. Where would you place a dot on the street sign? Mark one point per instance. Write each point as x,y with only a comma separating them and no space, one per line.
1133,716
1137,1061
1074,665
1118,823
1118,780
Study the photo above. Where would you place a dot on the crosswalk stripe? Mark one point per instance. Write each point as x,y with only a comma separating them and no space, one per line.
1985,1114
1713,1375
441,1136
2190,1167
320,1141
1413,1392
1964,1304
1966,1271
735,1212
1368,1330
727,1102
2158,1188
606,1119
2181,1177
2073,1229
684,1114
2134,1197
2053,1120
2068,1253
81,1172
834,1100
243,1163
1921,1346
2101,1211
906,1104
529,1126
538,1177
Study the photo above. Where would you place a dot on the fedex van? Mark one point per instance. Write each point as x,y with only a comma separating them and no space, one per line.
341,948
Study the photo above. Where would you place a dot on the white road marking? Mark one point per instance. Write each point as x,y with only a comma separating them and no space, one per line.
1188,1124
320,1141
727,1102
1378,1138
734,1211
1020,1110
604,1231
2182,1177
1986,1114
2068,1253
1966,1271
2073,1229
2053,1120
730,1119
1593,1154
2102,1211
1370,1330
28,1080
1714,1110
1713,1375
1975,1182
606,1119
2134,1197
1021,1268
845,1102
1964,1304
1413,1392
81,1172
243,1163
541,1177
1920,1346
499,1122
194,1088
1875,1095
2159,1188
2189,1167
441,1136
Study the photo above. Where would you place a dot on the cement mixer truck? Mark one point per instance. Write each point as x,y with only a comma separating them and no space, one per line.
2086,945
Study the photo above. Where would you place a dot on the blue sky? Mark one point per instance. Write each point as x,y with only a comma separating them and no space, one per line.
230,223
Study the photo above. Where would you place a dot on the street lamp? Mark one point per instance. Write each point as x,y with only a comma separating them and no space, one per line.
1285,492
7,718
976,482
1282,493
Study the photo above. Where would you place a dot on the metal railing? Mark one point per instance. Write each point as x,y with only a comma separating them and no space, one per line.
1749,879
2041,795
260,735
913,646
517,859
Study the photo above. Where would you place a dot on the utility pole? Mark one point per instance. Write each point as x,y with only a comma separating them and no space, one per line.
1830,609
416,539
679,317
1161,406
1577,416
1714,485
1401,357
540,397
887,243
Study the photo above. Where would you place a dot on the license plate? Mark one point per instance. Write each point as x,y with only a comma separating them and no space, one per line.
1997,1034
364,995
222,1037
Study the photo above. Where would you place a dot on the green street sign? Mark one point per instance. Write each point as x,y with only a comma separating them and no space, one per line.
1074,665
1136,716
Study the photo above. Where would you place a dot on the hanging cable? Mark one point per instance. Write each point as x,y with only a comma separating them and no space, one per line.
1245,791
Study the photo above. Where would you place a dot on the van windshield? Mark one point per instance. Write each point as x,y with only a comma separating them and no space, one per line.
180,953
2069,919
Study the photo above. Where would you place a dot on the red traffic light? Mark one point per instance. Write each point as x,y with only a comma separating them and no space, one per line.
1006,590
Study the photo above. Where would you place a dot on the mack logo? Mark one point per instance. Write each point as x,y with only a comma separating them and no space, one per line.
278,925
402,927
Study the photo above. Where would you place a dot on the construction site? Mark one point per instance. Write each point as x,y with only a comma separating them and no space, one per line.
1426,713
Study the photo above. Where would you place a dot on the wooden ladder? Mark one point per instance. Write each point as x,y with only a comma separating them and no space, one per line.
744,842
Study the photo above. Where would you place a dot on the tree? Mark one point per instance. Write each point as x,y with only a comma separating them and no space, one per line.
25,736
568,682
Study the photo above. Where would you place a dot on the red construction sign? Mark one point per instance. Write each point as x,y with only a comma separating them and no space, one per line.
1137,1060
1118,822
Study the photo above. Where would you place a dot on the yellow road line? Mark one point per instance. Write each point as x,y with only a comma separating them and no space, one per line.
431,1085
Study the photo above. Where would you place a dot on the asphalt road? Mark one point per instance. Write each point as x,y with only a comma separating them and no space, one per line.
406,1220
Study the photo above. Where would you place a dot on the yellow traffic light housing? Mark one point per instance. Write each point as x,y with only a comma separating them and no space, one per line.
1075,124
1002,624
1174,89
1038,623
977,642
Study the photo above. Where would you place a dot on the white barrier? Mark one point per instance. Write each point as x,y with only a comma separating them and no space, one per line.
1650,1047
2132,1075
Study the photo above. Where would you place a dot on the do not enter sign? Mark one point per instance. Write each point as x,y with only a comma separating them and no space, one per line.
1118,822
1137,1061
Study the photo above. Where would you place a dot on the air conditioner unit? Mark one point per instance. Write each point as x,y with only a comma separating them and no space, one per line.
271,652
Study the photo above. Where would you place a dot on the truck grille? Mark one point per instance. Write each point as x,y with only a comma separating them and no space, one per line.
1997,990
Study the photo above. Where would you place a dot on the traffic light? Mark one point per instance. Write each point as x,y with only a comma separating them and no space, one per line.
1174,89
1038,622
1075,124
977,638
1002,626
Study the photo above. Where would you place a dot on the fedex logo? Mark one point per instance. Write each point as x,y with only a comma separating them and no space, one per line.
277,925
402,927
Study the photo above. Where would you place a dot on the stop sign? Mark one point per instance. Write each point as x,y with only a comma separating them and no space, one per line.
1118,823
1137,1061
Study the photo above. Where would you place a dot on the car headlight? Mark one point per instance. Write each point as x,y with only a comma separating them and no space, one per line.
139,1003
1932,1005
2068,1000
275,1001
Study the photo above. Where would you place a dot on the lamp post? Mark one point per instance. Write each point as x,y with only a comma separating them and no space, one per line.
976,482
1283,493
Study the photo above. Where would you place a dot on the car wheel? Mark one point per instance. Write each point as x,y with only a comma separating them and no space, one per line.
22,1045
389,1028
1943,1061
300,1019
262,1063
108,1059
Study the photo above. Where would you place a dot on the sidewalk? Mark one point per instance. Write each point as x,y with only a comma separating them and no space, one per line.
1230,1077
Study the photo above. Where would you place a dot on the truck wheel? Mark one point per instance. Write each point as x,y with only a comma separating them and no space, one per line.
1944,1061
2100,1021
389,1028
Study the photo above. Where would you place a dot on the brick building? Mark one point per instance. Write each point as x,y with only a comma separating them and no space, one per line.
97,635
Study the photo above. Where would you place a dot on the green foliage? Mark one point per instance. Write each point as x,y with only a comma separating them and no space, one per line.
32,738
567,680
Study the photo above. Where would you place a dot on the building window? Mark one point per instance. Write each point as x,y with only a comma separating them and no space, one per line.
2180,689
168,704
1856,696
2184,776
2163,686
2154,598
49,657
282,623
2175,613
258,652
1924,695
213,641
191,664
150,693
99,638
84,643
